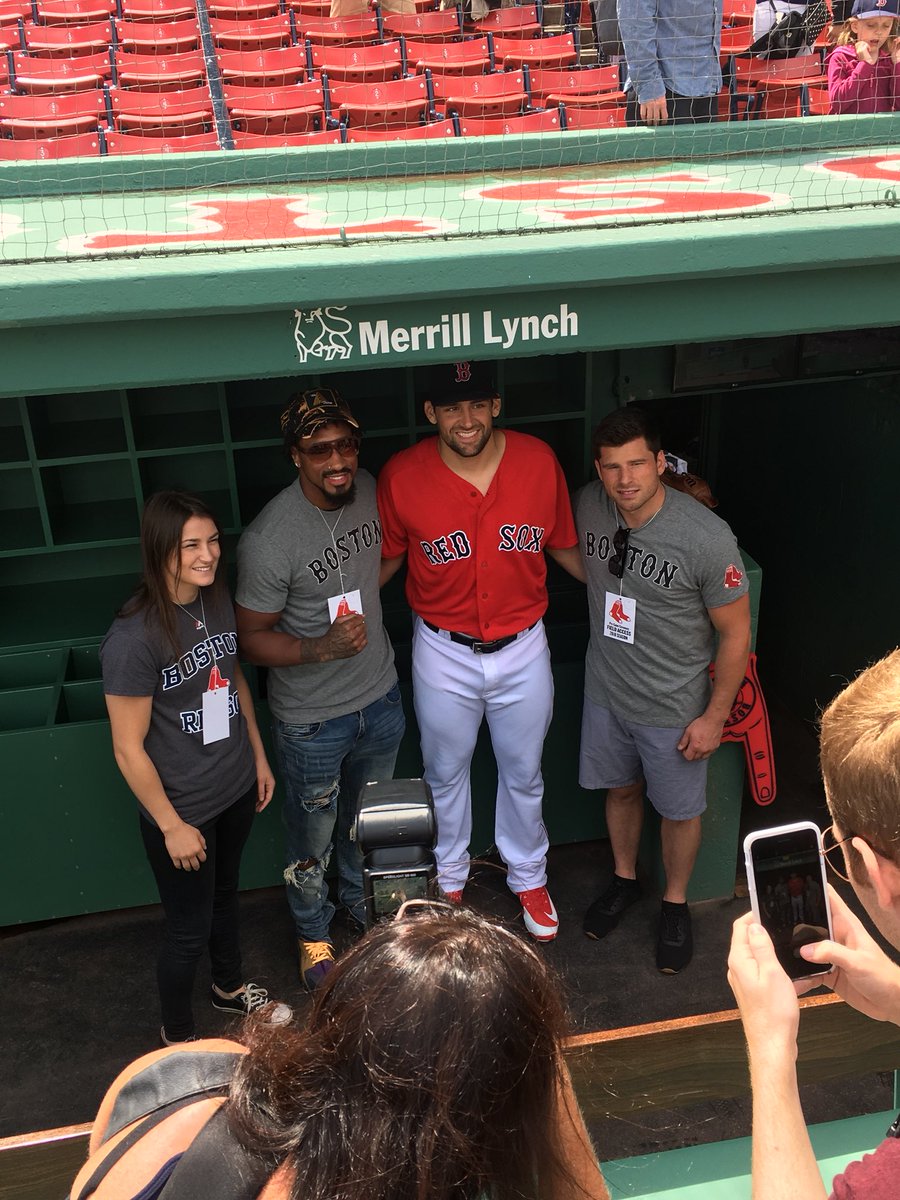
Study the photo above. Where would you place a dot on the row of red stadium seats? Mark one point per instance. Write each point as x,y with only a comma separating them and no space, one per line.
114,143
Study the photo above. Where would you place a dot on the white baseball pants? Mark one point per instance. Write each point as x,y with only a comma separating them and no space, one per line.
453,689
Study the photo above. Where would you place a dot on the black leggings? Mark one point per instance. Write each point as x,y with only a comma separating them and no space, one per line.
201,909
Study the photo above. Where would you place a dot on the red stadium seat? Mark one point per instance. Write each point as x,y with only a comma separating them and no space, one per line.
738,12
517,22
82,145
735,40
161,73
145,37
43,76
414,133
14,11
271,111
515,53
383,105
348,31
357,64
157,11
242,10
499,95
537,122
133,143
44,117
814,101
264,34
73,12
67,41
253,141
591,118
262,68
449,58
443,26
315,9
544,82
162,114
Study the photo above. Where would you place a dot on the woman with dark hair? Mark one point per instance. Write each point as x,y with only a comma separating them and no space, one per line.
431,1069
186,740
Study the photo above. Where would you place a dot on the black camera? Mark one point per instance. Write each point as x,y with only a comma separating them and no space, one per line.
395,831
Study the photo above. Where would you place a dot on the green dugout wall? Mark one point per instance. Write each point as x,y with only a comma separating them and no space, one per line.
120,376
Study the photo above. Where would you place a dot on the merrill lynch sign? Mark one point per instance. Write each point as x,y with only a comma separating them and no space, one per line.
326,334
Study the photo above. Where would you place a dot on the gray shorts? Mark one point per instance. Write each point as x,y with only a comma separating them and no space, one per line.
617,753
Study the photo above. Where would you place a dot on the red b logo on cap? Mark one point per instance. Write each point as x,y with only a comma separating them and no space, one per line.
463,372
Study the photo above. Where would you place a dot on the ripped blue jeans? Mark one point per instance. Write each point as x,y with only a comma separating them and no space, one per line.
323,767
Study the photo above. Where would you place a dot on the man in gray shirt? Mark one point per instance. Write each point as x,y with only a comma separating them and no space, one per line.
309,609
664,577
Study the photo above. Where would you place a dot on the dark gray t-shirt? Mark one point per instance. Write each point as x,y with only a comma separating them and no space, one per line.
200,781
291,559
684,561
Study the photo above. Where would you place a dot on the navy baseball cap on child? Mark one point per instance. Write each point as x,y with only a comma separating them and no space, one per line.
451,382
875,8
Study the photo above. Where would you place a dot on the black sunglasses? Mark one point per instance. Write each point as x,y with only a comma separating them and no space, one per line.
620,544
345,446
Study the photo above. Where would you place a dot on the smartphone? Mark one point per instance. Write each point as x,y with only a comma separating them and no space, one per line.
788,891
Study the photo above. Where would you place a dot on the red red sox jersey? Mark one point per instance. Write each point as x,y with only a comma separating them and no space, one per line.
475,564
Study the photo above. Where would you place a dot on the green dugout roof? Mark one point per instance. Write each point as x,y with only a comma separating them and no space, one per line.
352,257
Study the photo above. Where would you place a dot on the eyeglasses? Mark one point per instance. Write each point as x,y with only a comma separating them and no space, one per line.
346,446
830,846
620,544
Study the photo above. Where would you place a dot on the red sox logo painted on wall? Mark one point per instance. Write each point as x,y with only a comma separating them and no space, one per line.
255,219
565,201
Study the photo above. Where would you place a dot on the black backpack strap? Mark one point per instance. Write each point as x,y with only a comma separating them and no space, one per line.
129,1140
188,1074
216,1164
154,1093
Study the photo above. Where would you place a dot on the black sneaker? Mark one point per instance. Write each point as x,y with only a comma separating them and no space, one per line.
167,1041
675,942
250,999
606,911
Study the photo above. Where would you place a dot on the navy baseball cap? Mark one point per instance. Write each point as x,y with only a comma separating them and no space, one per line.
876,8
448,383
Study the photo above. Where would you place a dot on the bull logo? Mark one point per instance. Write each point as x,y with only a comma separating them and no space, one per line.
321,333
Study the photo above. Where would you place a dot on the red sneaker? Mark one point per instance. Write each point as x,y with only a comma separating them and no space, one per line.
540,914
453,897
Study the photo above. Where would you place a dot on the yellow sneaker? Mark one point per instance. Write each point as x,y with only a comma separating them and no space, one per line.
316,960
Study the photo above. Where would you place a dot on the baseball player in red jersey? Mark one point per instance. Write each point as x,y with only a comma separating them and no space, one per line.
473,511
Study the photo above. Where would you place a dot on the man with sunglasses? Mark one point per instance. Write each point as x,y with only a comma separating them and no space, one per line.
309,609
859,753
473,512
664,578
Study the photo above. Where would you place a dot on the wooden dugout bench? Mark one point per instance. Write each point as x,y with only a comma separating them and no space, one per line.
620,1072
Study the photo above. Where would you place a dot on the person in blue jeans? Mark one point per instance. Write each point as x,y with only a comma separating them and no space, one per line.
672,54
308,608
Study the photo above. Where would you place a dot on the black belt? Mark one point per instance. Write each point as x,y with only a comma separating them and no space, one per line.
476,646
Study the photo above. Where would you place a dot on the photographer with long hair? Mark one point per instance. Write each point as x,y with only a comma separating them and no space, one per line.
431,1067
186,740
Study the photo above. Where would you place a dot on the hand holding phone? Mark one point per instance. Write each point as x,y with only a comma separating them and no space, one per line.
789,892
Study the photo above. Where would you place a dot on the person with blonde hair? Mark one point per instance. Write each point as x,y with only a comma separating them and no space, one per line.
860,759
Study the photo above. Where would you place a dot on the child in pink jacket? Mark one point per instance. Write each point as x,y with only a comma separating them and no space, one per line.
864,67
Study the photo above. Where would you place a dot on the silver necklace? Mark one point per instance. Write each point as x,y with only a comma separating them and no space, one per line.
332,529
199,622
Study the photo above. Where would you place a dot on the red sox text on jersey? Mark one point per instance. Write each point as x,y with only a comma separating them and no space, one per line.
450,547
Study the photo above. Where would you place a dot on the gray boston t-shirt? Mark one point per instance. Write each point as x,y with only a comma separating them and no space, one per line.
291,558
684,561
200,781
